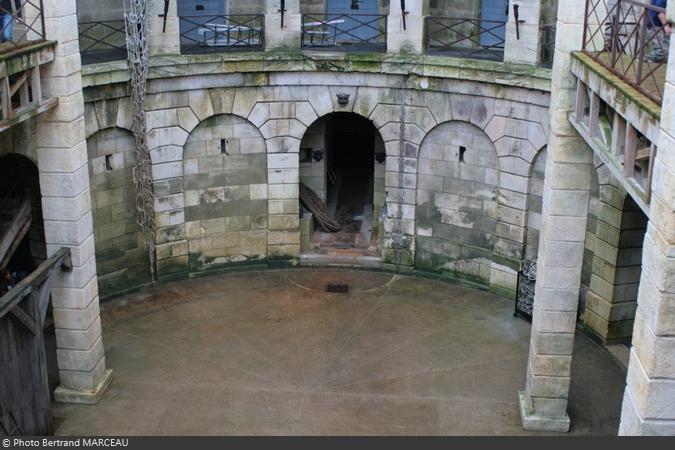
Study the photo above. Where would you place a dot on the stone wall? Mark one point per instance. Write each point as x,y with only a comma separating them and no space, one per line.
121,257
457,194
280,106
225,191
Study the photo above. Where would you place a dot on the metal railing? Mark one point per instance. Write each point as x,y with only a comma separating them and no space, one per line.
217,33
626,37
102,41
465,37
21,25
352,32
547,45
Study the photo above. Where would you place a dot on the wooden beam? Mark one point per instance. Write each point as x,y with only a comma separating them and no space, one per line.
32,281
25,320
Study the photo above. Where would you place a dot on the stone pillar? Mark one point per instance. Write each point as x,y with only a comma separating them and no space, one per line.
410,40
66,206
649,400
164,42
524,47
287,37
543,404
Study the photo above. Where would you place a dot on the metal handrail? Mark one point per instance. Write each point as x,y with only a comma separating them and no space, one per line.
365,32
28,24
465,37
624,38
102,41
216,33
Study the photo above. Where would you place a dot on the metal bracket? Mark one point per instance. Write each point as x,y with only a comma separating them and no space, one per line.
282,10
516,14
403,13
165,15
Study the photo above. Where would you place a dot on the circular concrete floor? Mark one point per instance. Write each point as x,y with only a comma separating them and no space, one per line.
274,353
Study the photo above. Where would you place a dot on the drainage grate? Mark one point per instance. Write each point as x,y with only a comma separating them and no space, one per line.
337,288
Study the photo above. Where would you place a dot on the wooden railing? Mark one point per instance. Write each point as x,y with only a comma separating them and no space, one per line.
24,386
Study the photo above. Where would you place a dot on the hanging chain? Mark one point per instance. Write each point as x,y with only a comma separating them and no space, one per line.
137,27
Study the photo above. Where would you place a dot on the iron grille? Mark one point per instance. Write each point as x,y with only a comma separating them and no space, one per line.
102,41
352,32
217,33
626,37
465,37
547,45
27,24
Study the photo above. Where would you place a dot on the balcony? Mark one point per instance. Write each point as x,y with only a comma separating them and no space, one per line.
102,41
22,25
465,37
23,49
219,33
626,38
344,32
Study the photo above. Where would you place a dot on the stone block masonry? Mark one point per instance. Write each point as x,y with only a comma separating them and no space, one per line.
217,210
68,221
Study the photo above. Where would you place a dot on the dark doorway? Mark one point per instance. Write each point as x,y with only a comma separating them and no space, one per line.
350,184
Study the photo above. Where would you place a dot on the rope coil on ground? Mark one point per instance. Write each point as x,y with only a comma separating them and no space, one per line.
318,208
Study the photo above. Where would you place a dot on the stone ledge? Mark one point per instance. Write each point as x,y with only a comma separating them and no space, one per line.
168,66
531,422
66,395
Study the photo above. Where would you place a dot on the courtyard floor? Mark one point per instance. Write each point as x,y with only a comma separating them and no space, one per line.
259,353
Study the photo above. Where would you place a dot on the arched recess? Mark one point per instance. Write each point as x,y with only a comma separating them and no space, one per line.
19,179
456,214
225,193
535,192
612,259
121,258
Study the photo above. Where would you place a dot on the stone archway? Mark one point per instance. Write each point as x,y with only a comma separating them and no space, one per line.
342,159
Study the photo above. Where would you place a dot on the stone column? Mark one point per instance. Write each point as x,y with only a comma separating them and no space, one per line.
543,404
164,42
649,400
66,206
410,40
287,37
524,47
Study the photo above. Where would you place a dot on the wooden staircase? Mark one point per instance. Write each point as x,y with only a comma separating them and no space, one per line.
15,219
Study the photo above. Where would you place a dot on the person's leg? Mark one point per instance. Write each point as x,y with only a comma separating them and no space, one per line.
6,23
658,43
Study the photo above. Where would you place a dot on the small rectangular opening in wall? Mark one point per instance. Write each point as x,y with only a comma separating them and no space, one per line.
223,146
462,150
108,162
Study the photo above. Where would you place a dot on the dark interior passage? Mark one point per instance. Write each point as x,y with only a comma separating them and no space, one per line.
350,141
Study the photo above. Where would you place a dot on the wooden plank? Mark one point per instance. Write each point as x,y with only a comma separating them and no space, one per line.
36,86
28,112
6,99
24,319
